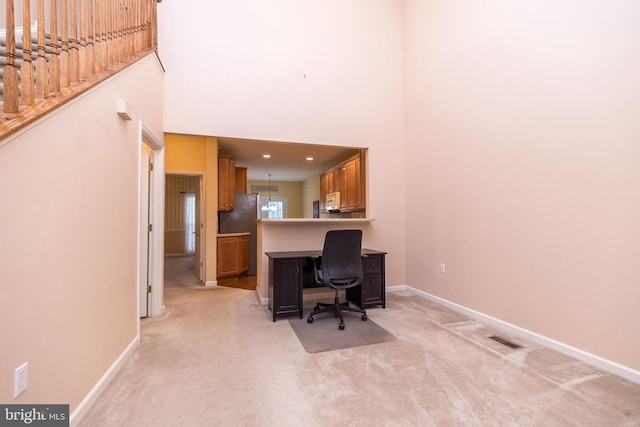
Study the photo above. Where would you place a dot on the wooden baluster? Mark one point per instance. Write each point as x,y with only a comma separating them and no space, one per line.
119,32
113,57
135,31
91,59
112,32
10,77
134,25
142,5
54,60
155,24
152,25
140,25
27,96
128,41
74,64
65,78
42,72
97,41
142,16
84,63
106,18
144,9
103,35
123,29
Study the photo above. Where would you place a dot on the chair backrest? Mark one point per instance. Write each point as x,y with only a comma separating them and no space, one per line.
341,258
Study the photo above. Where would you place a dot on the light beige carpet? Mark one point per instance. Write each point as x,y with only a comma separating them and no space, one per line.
323,334
215,358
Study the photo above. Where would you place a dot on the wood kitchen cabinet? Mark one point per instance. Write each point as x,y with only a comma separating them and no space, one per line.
241,181
342,187
349,179
226,182
324,190
233,255
244,254
354,185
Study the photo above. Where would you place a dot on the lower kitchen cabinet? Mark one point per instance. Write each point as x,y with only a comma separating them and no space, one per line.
233,255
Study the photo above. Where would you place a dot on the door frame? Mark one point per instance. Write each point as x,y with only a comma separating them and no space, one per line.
200,238
201,226
156,246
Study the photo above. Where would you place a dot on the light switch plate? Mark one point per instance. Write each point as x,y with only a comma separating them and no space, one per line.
20,379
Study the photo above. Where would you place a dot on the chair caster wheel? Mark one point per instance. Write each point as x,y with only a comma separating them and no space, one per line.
341,326
364,317
309,319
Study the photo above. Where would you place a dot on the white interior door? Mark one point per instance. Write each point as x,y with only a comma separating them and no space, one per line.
198,267
146,180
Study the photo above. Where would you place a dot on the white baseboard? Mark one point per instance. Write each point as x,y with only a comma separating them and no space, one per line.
592,359
397,288
211,283
90,398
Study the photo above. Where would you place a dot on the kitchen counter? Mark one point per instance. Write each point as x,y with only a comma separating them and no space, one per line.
313,220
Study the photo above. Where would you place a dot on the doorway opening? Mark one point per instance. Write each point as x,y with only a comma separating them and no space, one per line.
184,241
190,223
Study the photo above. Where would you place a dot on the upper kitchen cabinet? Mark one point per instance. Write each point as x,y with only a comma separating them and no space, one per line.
226,182
347,179
241,181
354,185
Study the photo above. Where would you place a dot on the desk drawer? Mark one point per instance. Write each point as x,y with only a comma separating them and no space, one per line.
372,264
369,293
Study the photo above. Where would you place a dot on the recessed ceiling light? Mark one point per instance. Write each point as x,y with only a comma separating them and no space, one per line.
266,156
309,158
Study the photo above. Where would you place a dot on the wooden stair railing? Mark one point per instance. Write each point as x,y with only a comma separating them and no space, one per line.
87,44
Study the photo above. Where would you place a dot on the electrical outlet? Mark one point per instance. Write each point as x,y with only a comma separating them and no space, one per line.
20,379
442,268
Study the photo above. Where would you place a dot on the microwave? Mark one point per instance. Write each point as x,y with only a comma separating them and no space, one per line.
333,201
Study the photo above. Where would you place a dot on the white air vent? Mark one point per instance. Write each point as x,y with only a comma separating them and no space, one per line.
124,110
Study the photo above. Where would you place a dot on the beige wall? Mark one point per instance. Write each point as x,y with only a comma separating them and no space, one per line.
310,193
341,87
522,147
291,190
69,246
514,123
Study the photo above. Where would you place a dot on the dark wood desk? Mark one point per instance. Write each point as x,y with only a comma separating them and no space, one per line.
291,272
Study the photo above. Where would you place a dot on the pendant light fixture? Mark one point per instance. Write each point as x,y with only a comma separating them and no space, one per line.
269,206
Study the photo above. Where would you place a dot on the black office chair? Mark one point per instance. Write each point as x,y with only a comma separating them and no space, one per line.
341,268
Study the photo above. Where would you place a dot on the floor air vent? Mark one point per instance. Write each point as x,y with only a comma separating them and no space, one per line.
505,342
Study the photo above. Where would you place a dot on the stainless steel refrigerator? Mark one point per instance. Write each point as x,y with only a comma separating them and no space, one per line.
246,210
